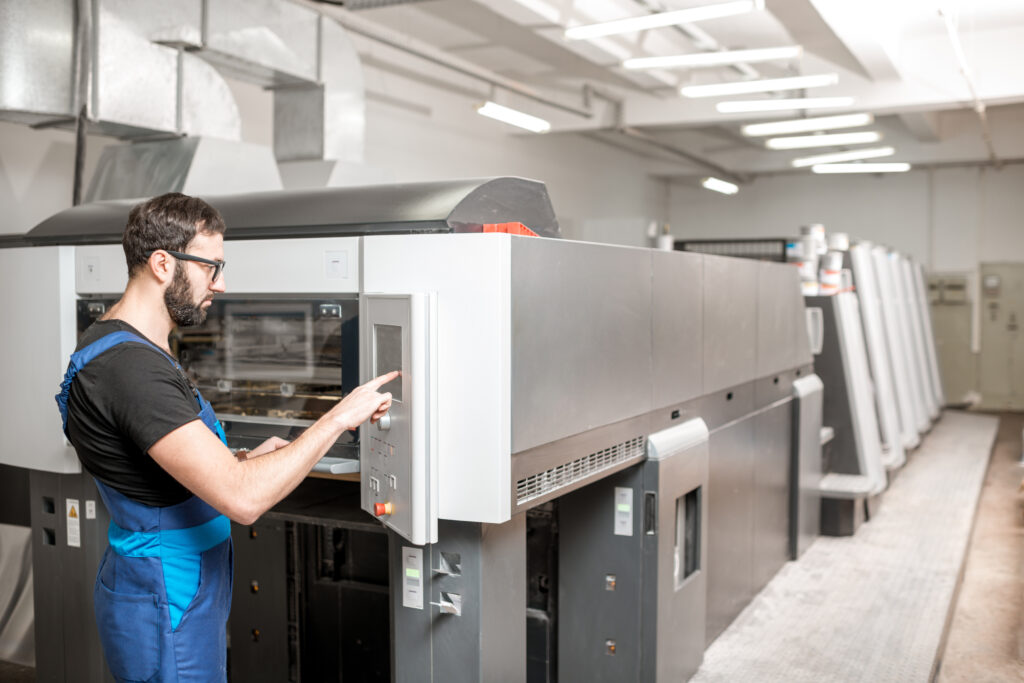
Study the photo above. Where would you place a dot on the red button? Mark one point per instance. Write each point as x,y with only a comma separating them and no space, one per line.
382,509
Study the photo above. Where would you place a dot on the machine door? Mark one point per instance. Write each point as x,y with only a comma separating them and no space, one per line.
398,455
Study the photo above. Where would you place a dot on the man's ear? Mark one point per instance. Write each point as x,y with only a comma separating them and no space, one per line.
161,265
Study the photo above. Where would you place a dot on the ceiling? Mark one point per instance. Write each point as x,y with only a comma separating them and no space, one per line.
941,77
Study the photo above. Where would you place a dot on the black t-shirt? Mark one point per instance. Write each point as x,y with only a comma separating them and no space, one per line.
120,404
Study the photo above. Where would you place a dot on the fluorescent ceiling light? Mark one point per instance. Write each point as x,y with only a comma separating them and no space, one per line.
720,186
662,19
837,157
745,106
513,117
724,58
898,167
830,140
762,85
808,125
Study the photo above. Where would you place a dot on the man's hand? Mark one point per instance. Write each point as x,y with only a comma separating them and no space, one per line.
268,446
364,402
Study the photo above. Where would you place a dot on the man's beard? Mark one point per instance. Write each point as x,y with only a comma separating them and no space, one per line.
180,304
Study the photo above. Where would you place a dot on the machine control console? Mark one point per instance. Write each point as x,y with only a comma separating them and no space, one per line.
398,461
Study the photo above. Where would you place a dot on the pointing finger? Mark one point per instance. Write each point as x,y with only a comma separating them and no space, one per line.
378,382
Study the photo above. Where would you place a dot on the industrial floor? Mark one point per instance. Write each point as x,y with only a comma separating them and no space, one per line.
874,607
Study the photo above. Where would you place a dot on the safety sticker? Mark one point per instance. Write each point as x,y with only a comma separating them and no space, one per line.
74,523
90,509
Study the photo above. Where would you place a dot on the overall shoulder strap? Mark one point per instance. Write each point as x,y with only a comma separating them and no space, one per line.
82,357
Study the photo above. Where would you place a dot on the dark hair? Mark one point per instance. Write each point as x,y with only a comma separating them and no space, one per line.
169,221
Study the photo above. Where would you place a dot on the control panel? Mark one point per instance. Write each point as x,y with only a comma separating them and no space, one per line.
398,455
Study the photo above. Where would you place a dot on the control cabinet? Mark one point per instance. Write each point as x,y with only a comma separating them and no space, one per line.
398,455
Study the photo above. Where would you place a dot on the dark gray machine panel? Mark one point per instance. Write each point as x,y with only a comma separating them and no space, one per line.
678,327
632,567
581,359
772,448
730,321
259,604
731,496
805,477
67,640
485,567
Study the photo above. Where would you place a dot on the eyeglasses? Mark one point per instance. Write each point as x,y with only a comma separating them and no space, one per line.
218,266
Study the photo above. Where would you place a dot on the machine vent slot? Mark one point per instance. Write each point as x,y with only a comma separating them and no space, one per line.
543,483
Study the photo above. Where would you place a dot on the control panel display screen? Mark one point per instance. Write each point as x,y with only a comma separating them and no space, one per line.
387,353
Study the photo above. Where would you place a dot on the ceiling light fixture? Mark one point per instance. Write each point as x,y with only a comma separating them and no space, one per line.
838,157
720,186
662,19
807,125
747,106
724,58
896,167
829,140
513,117
761,85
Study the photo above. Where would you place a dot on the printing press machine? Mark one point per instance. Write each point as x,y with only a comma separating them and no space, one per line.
596,457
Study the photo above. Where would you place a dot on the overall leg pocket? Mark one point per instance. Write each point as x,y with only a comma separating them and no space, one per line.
131,633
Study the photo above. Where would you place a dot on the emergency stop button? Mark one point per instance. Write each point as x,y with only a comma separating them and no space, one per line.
382,509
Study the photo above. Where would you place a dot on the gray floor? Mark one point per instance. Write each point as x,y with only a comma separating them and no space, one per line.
986,638
871,607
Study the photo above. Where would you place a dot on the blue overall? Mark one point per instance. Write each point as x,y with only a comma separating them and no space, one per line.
163,589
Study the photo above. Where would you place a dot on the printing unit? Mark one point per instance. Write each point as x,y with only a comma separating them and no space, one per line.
567,412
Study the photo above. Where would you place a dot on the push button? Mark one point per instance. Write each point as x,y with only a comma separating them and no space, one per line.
380,509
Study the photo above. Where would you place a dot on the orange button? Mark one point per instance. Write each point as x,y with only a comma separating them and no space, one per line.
382,509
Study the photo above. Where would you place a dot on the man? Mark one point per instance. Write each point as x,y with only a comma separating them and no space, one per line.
160,458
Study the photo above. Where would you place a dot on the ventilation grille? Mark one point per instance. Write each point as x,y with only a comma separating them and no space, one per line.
543,483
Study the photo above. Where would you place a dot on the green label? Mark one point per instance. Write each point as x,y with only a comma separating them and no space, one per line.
412,573
622,507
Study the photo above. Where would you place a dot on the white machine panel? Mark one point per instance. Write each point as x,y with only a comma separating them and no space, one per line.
306,266
398,455
473,331
888,299
38,339
878,354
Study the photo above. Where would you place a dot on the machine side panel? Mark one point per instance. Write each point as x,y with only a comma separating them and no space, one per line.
679,600
677,327
472,358
804,498
581,338
39,320
772,447
502,601
782,341
730,524
730,321
600,574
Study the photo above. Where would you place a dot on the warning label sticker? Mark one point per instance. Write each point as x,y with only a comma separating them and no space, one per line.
90,509
74,523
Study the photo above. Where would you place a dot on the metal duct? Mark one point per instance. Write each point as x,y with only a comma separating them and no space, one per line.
195,166
36,60
146,78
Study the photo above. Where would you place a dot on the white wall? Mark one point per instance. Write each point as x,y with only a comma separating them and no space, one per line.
950,219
